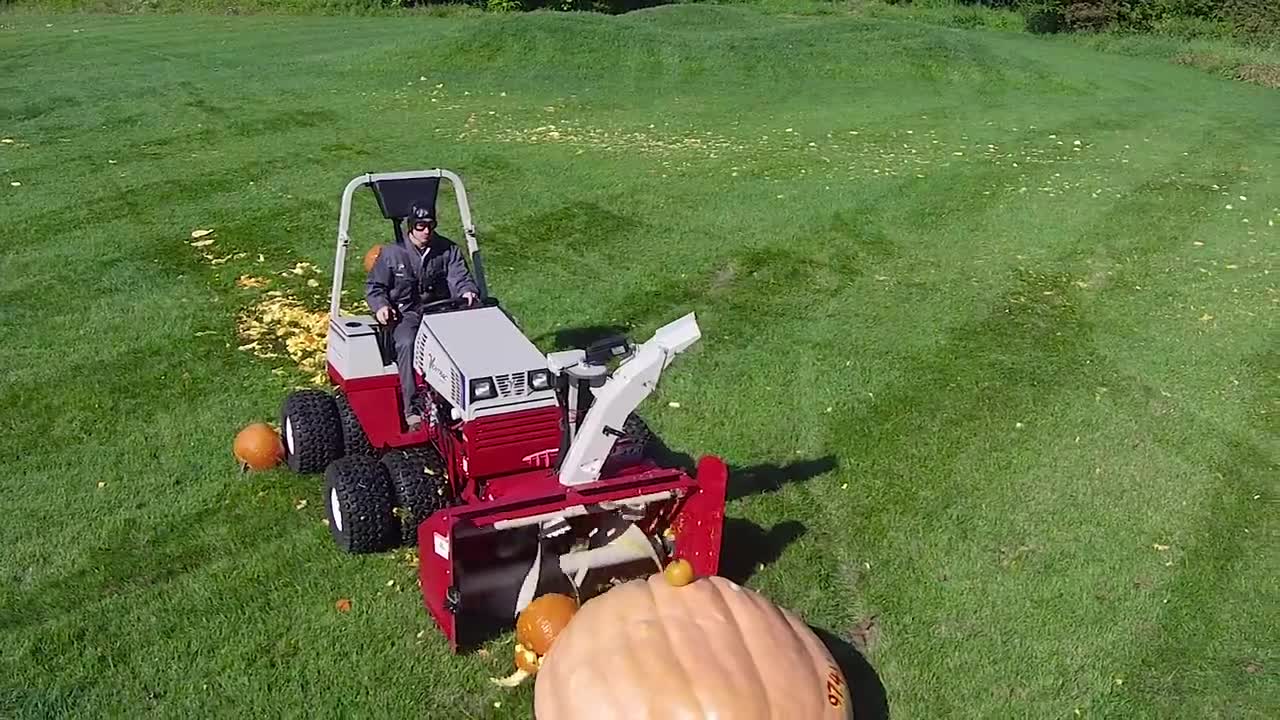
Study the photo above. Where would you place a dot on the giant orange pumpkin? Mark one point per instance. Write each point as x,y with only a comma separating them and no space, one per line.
258,446
709,649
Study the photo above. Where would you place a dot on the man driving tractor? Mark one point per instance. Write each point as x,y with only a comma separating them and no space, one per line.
407,276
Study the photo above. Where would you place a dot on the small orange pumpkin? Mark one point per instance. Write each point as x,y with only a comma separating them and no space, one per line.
679,573
258,446
541,622
647,649
371,257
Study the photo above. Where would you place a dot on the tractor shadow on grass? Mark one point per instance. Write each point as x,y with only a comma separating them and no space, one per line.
869,699
576,338
746,546
748,480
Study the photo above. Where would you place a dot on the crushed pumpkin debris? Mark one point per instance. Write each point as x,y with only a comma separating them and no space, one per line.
279,320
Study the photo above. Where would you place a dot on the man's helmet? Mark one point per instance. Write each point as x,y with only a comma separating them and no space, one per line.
422,212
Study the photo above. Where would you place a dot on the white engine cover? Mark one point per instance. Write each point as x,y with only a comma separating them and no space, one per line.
454,348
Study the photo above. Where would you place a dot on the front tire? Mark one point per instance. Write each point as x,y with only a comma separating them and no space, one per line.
358,501
311,430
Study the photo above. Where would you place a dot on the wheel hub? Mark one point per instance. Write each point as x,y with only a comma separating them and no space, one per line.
335,507
288,435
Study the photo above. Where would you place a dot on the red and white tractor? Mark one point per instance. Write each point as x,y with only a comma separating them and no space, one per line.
530,472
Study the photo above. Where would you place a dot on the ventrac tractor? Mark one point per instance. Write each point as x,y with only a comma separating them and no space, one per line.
530,472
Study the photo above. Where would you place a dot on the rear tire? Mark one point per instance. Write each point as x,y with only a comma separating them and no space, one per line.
354,439
421,487
310,430
358,501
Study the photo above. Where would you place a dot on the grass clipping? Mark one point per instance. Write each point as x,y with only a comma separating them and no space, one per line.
279,322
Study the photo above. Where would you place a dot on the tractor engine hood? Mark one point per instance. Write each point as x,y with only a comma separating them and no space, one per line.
482,363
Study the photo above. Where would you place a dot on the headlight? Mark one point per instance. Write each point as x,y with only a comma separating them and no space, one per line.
483,389
540,379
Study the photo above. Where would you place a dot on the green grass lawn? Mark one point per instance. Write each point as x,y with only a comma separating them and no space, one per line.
989,338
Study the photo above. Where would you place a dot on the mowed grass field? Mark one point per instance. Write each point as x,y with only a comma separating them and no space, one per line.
989,339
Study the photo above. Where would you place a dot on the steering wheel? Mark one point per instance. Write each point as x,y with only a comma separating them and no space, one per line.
449,303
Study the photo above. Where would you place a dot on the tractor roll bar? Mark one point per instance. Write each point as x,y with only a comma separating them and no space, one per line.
344,224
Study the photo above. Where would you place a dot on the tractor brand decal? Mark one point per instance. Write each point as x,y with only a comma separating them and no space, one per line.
442,545
540,459
835,688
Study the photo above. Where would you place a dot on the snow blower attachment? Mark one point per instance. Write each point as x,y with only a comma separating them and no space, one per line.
530,473
566,528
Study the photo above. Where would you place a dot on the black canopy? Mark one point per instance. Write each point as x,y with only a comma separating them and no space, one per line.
395,197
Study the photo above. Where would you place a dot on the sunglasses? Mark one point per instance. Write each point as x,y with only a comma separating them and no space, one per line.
423,225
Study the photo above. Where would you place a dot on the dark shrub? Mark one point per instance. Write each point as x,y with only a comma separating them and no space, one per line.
1045,20
1090,16
1260,18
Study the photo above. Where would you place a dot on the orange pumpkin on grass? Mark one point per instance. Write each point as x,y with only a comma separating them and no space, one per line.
708,649
258,447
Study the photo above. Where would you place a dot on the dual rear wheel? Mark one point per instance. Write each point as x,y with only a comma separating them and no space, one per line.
374,502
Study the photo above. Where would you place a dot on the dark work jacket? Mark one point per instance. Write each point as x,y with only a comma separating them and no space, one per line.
406,278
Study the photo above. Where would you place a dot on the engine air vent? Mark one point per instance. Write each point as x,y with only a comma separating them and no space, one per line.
511,385
455,388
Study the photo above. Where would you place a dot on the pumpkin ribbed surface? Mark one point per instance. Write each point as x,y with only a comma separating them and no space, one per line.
710,649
